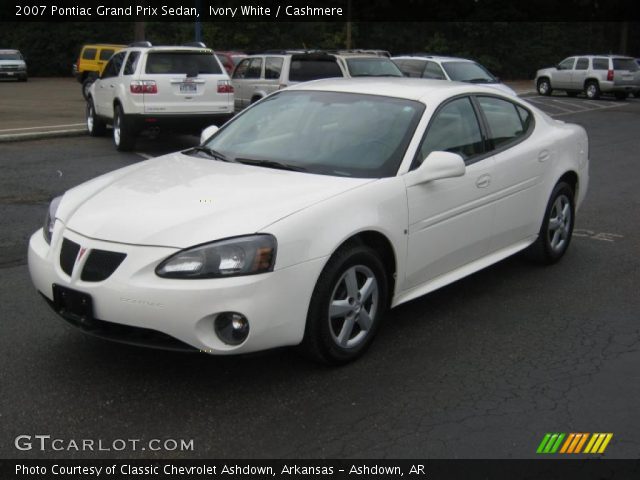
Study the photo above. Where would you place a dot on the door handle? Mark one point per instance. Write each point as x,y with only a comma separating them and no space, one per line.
483,181
543,156
111,85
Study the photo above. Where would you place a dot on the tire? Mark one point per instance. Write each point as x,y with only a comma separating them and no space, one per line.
86,85
572,94
124,138
557,227
359,306
592,90
621,95
95,125
544,86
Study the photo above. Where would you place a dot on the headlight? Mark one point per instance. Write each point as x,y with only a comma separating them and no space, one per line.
50,219
224,258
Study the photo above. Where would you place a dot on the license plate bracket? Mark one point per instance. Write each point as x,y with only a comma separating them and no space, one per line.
72,304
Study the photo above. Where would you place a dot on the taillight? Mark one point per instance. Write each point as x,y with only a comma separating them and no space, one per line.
610,75
143,86
224,86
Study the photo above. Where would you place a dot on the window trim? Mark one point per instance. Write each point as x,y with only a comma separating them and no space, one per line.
417,161
515,141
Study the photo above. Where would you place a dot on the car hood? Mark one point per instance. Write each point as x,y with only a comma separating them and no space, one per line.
502,87
179,200
13,63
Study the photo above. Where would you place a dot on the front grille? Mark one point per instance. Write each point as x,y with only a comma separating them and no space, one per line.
68,254
9,67
101,264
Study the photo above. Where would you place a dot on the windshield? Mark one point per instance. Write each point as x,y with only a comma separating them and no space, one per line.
468,72
10,56
328,133
372,67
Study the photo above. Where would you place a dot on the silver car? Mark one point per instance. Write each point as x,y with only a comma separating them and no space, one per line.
12,65
591,74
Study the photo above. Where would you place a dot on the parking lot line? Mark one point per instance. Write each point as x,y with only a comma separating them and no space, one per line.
573,105
581,111
44,126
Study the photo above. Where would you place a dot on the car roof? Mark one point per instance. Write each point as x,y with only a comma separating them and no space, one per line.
92,45
437,58
166,48
9,50
419,89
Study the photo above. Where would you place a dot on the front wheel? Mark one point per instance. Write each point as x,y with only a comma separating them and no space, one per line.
544,86
123,137
346,307
592,90
95,125
557,227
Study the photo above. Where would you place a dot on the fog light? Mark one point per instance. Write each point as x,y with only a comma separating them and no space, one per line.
231,327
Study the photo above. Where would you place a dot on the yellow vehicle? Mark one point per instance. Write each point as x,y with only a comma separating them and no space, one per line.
91,61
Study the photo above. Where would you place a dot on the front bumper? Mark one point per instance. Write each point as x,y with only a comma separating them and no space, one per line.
13,74
136,306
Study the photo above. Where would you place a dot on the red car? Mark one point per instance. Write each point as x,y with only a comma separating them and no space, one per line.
229,60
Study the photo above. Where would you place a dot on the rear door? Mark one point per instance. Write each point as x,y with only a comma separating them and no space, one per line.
106,86
188,81
579,73
246,77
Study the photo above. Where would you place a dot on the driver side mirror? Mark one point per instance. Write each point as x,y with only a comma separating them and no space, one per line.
436,166
208,132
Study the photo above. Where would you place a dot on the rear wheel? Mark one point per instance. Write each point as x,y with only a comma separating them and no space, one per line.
123,137
592,90
95,125
557,227
346,307
544,86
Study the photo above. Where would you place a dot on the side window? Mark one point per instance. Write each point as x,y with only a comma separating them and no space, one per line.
255,68
412,68
89,54
241,69
113,67
433,70
273,67
132,63
506,121
601,64
567,63
454,129
106,53
582,64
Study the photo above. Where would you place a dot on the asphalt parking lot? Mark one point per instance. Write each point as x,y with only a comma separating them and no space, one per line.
482,368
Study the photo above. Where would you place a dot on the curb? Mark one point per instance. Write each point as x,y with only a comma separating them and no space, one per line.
17,137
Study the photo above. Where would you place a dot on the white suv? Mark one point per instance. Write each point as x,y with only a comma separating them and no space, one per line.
181,88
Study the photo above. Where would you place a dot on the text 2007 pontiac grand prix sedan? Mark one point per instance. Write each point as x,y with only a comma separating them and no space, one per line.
302,220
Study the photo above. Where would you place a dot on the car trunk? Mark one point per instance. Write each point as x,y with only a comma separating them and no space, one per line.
625,72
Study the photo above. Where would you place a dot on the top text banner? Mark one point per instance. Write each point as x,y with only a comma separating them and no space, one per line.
318,10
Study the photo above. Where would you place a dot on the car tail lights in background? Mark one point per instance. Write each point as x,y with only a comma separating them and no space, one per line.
610,76
143,86
224,86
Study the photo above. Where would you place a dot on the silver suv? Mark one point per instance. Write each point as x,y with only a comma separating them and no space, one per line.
591,74
143,87
258,75
12,65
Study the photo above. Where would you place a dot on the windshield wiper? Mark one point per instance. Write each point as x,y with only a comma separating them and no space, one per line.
479,80
271,164
211,152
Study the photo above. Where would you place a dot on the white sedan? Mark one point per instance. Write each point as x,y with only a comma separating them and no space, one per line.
302,220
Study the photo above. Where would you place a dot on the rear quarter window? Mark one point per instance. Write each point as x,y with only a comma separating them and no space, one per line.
601,64
182,63
106,53
507,121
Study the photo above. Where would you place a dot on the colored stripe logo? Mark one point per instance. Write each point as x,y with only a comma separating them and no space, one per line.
595,443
